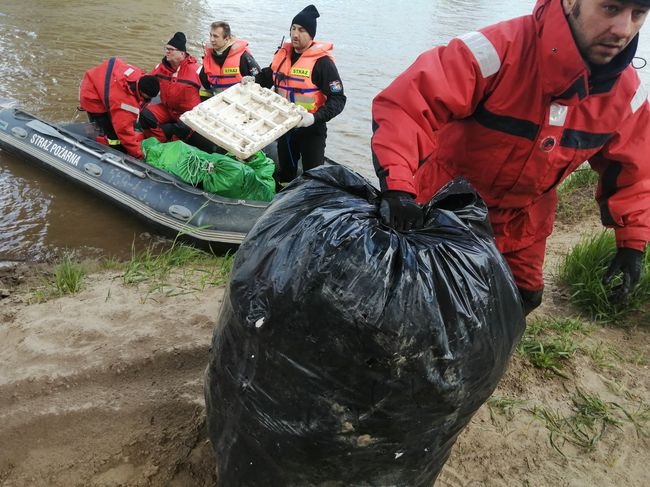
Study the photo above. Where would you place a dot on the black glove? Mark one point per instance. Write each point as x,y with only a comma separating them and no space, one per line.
179,129
399,210
182,131
628,263
147,119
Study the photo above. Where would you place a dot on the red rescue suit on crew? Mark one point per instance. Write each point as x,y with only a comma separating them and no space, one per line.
179,93
179,89
511,108
117,96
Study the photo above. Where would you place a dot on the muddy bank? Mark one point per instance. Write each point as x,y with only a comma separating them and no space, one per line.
104,388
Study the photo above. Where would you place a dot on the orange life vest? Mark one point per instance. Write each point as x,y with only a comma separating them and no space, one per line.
294,81
223,77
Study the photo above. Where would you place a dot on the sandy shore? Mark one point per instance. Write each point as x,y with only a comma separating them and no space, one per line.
104,388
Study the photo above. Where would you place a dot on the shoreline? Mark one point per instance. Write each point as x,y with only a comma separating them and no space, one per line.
105,388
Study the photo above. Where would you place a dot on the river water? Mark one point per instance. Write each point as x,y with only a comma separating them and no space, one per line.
47,45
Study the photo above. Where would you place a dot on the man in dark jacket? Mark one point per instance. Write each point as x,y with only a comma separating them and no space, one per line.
304,72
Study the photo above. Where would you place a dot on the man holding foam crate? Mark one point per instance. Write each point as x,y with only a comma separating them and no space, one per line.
304,72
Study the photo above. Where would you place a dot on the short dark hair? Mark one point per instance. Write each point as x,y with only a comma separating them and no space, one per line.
223,25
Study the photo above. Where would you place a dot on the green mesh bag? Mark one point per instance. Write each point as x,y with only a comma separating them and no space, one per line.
157,154
255,179
262,182
177,157
216,173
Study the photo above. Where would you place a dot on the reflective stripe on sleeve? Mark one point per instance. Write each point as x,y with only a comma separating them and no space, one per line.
639,98
484,52
130,108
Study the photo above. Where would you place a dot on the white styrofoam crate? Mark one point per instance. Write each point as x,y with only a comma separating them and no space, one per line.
244,118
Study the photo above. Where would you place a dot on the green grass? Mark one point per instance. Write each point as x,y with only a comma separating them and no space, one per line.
548,353
67,278
588,421
110,264
582,270
603,356
505,406
562,326
192,269
594,413
639,358
180,269
549,343
640,418
583,177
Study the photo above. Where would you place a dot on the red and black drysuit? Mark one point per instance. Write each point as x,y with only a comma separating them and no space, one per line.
515,109
179,92
109,94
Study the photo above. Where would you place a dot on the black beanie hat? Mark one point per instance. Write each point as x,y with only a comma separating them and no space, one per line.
149,85
307,18
178,41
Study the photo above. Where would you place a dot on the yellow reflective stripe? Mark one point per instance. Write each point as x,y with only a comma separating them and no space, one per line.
113,141
305,101
205,93
306,106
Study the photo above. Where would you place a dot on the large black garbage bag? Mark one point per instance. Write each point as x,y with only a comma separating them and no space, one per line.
348,354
